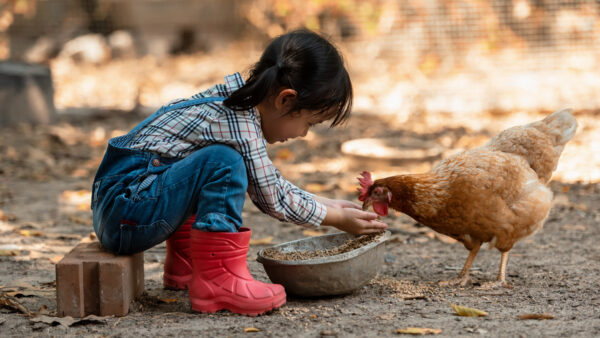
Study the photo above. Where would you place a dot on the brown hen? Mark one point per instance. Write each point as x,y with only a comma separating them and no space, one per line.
496,193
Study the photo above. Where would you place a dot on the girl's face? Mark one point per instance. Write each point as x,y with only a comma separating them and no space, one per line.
278,126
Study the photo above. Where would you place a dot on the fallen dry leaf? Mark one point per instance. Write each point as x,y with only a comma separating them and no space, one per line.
62,236
79,173
312,233
429,64
387,316
317,187
440,237
35,254
68,320
11,303
7,217
261,241
97,137
418,331
251,329
538,316
81,220
76,197
10,252
285,154
83,206
30,233
66,134
36,292
56,259
468,311
42,311
88,239
574,227
167,300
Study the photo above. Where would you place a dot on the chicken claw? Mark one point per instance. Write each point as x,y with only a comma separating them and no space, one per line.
495,285
458,281
463,277
500,281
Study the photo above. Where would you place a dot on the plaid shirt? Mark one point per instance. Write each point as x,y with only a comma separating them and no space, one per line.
180,132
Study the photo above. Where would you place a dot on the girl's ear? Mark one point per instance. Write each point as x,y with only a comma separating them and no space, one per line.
285,100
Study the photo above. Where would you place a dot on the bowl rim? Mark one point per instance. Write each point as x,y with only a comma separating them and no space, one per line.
322,260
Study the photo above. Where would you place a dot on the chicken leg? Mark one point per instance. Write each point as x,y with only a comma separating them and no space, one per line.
463,277
501,279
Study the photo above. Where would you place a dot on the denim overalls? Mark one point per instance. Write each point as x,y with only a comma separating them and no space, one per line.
140,198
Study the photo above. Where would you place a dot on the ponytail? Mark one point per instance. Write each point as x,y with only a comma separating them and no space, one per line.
257,88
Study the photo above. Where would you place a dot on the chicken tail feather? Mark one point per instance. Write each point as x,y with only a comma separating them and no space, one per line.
562,125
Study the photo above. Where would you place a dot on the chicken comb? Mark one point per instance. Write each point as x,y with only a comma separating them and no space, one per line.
365,183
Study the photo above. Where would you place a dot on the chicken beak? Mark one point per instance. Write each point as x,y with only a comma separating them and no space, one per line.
367,203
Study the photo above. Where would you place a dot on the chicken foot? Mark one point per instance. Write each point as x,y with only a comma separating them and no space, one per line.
463,277
501,280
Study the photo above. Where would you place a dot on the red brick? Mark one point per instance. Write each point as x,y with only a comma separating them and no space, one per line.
91,280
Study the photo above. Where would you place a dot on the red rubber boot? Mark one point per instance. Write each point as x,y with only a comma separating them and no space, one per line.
221,279
178,264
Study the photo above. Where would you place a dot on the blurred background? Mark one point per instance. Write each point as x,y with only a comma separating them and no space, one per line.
421,65
430,77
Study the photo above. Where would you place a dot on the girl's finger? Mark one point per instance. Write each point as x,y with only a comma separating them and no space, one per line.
378,225
369,231
367,215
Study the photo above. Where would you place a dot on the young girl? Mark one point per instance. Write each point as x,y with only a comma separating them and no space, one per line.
195,159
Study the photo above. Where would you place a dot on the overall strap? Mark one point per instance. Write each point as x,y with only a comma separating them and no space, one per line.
122,141
193,102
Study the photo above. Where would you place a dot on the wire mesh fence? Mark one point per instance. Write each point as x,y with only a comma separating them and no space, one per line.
405,55
447,29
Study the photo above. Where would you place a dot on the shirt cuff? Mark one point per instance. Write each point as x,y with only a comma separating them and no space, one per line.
318,216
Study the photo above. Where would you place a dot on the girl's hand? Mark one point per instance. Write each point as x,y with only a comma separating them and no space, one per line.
354,220
337,203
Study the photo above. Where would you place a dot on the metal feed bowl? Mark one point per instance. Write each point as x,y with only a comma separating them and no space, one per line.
325,276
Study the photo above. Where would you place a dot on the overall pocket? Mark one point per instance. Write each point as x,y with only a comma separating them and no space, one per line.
137,238
102,186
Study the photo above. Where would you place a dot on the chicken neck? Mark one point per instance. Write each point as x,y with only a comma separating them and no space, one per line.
419,195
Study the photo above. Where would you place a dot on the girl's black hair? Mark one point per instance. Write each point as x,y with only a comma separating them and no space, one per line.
306,62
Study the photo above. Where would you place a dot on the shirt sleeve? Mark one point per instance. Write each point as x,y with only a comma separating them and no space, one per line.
273,194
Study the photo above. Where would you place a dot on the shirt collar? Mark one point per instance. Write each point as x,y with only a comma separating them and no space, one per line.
233,82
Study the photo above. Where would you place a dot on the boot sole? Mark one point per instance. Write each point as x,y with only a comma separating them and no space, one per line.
225,303
174,282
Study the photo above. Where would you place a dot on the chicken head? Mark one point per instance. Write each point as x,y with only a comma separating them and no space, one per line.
373,194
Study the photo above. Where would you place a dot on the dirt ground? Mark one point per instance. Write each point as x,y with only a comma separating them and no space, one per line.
45,178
